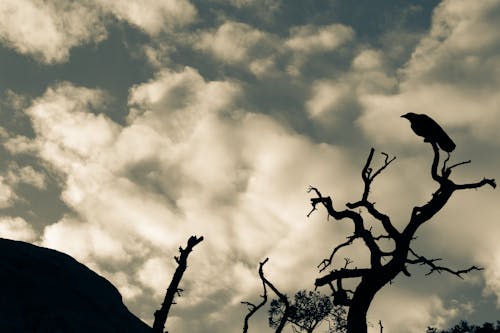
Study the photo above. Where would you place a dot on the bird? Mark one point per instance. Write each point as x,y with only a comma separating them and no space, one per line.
425,126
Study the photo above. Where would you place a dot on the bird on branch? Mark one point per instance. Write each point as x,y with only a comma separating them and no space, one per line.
426,127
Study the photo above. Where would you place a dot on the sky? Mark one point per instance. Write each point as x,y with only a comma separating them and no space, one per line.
126,127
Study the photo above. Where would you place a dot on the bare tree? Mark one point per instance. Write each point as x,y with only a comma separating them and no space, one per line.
173,289
385,265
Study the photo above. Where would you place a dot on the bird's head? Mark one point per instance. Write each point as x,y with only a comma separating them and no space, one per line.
409,115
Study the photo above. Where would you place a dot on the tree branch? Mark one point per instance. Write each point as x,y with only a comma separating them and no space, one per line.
327,262
252,307
173,289
484,181
359,229
341,274
384,219
421,260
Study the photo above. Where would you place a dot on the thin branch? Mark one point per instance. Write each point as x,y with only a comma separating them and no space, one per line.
484,181
458,164
436,268
327,262
252,307
387,161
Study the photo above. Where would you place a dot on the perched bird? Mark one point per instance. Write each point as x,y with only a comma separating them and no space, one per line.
426,127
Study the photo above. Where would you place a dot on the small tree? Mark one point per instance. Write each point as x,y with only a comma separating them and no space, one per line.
308,310
384,265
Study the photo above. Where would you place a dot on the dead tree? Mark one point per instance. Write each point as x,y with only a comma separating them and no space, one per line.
173,289
385,265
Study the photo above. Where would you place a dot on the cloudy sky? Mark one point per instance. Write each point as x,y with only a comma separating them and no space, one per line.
127,126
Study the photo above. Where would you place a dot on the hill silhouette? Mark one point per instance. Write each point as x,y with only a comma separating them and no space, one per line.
46,291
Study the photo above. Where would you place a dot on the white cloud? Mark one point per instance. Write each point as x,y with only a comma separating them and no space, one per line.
50,29
25,175
152,16
7,195
326,97
310,39
47,30
17,228
238,43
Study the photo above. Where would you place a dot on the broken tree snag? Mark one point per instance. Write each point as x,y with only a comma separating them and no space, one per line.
384,265
173,289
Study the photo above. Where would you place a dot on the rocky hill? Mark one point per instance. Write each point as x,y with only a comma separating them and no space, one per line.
46,291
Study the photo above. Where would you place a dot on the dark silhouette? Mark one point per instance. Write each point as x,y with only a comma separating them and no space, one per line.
173,289
465,327
426,127
46,291
385,265
307,311
252,308
282,297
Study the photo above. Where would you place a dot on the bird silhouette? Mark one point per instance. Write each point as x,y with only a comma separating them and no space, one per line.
425,126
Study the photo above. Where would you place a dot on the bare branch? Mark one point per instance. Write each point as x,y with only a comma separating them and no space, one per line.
366,173
252,307
458,164
341,274
384,219
327,262
359,229
435,163
387,161
484,181
421,260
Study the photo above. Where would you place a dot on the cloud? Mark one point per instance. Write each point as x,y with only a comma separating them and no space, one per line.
50,29
7,194
188,161
152,16
237,43
451,76
309,39
47,30
26,175
17,228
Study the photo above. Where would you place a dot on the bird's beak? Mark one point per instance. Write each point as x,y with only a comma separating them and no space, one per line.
405,115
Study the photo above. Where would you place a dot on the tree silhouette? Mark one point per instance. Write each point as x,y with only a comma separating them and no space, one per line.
173,289
307,311
465,327
384,265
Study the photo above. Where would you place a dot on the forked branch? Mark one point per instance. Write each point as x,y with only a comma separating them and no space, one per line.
252,308
283,298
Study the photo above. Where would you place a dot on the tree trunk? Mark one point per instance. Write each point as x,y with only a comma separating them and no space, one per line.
364,294
356,318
